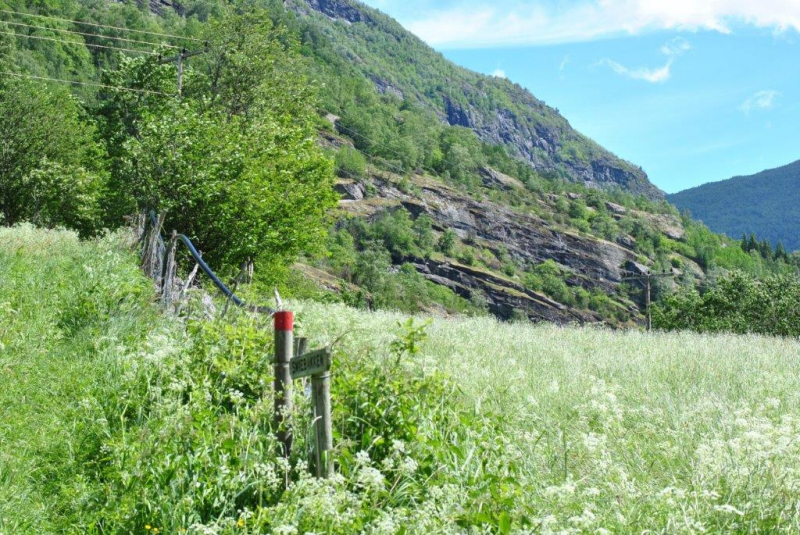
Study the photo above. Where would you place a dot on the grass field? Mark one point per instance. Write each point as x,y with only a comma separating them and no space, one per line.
116,419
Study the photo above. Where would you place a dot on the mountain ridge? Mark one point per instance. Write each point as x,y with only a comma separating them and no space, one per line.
499,111
766,203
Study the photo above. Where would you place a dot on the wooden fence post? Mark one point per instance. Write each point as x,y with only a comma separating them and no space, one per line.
168,276
152,263
323,432
300,345
144,238
284,346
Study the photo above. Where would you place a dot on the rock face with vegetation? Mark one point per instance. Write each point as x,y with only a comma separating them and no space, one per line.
500,231
500,112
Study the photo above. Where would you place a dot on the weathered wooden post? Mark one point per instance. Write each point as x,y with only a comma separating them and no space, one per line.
152,262
284,346
300,345
321,398
317,364
168,275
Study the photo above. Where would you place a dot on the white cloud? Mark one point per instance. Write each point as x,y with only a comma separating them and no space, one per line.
672,49
675,47
761,100
564,63
654,76
499,73
477,23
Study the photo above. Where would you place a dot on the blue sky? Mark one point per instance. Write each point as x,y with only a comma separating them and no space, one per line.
692,90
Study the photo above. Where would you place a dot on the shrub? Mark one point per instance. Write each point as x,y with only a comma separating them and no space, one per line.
51,169
350,163
447,242
467,256
737,303
423,230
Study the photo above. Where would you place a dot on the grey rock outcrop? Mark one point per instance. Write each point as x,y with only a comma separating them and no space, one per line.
528,239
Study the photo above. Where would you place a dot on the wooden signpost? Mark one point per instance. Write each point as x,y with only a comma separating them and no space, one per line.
312,363
288,367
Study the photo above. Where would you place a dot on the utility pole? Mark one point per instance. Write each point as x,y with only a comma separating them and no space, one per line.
178,59
647,279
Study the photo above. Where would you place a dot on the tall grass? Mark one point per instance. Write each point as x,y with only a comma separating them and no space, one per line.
75,320
595,429
116,419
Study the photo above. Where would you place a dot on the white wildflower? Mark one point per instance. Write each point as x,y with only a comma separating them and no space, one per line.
202,529
585,519
728,508
362,458
560,491
408,466
370,478
236,396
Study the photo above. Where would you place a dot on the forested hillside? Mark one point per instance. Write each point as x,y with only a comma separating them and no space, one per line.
767,203
409,74
460,193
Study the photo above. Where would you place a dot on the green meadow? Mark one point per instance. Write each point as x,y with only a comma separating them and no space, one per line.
119,418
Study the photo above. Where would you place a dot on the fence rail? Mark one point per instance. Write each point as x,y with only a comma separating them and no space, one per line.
291,360
155,261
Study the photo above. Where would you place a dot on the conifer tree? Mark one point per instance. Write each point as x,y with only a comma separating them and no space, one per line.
780,252
752,243
765,248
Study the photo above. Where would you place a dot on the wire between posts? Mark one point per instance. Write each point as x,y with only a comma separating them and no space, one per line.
90,84
99,35
13,34
8,11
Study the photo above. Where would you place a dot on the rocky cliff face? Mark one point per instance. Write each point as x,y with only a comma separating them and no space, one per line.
595,264
340,10
529,128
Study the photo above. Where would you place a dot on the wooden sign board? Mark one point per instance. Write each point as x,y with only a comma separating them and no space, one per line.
311,363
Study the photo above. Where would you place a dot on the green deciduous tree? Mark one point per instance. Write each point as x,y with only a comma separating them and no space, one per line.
260,191
235,162
447,242
738,303
51,167
350,163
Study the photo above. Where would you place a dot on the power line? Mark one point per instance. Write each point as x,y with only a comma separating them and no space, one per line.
105,86
99,25
178,59
78,43
89,34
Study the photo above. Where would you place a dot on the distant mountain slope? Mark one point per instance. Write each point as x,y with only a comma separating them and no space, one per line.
501,112
767,203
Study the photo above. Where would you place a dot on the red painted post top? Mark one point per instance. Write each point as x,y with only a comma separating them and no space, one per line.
284,321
